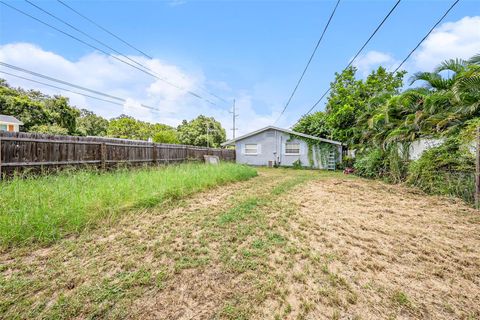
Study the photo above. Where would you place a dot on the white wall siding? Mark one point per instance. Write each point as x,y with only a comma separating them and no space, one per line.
272,145
421,145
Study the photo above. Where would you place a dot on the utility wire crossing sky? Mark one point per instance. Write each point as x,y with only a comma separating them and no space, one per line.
169,61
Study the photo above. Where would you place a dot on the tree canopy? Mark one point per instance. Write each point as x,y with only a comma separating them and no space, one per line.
54,115
378,120
372,112
201,131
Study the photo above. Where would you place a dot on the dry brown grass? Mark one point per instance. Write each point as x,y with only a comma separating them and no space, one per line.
287,244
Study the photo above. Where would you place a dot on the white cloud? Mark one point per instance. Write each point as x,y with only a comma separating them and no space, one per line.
459,39
372,60
106,74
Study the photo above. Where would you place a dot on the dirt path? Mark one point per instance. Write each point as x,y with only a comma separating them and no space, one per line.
287,244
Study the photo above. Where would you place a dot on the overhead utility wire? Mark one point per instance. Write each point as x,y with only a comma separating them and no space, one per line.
309,61
104,29
426,36
88,36
59,88
72,85
358,52
128,44
105,52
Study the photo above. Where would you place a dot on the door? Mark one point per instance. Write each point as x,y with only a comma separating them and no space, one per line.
11,127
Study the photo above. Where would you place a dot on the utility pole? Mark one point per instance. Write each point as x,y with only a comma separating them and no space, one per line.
234,116
208,130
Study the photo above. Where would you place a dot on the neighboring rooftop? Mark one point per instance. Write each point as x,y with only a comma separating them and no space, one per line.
229,142
10,119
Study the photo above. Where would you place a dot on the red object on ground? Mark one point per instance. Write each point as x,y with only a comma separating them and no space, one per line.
349,171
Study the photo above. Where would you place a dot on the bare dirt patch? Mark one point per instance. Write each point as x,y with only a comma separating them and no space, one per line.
285,245
382,251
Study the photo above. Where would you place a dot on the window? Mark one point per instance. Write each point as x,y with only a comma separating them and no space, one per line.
251,149
292,148
3,127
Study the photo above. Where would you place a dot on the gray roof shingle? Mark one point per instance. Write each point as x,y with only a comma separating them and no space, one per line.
229,142
10,119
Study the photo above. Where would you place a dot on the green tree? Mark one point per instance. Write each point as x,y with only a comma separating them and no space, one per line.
194,132
90,124
166,136
14,103
352,101
34,108
127,127
314,124
62,114
49,129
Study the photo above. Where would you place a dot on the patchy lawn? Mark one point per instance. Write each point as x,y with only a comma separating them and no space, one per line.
287,244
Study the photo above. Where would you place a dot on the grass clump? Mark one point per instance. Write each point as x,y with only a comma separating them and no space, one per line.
50,207
401,299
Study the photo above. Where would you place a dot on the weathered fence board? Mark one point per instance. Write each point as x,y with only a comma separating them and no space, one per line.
20,151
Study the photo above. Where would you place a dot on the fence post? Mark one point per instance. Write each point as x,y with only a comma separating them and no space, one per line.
154,153
477,171
103,154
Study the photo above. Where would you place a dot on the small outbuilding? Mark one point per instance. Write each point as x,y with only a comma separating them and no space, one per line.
273,146
9,123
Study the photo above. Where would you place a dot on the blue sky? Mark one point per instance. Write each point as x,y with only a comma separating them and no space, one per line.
253,51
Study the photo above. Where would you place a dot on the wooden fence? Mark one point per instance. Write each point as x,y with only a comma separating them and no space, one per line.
21,151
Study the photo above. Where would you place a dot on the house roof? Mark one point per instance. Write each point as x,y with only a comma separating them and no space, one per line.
10,119
230,142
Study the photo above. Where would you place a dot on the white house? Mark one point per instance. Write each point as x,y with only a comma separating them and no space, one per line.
276,146
9,123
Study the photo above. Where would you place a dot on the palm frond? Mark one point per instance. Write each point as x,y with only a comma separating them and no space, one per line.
455,65
433,80
475,59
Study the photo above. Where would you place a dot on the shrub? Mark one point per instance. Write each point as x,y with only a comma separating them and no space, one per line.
297,164
371,163
448,169
347,162
390,164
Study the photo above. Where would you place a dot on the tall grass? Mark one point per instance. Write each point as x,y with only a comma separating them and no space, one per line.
44,209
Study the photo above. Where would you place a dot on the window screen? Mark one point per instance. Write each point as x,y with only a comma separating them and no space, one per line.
292,147
3,127
251,149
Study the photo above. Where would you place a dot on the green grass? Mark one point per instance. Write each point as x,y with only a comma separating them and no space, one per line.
47,208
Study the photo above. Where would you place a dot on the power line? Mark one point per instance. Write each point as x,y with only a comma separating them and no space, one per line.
105,52
104,29
59,88
87,35
309,60
426,36
358,52
128,44
72,84
58,80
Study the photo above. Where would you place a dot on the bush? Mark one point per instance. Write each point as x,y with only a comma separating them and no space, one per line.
297,164
347,162
448,169
390,165
371,164
49,129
